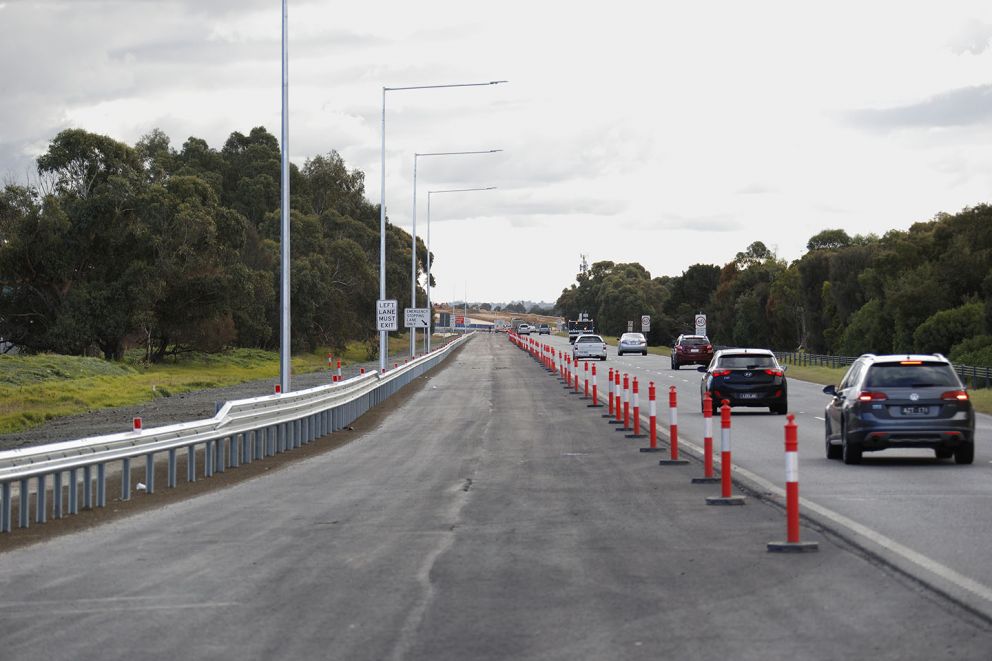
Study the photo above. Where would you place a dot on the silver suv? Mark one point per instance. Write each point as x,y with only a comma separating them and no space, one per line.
900,401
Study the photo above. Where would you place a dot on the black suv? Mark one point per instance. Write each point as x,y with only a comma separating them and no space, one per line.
900,401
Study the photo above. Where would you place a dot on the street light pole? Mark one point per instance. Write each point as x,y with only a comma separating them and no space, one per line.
429,193
383,335
285,341
413,256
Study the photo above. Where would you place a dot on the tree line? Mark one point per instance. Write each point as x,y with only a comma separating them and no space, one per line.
926,289
119,246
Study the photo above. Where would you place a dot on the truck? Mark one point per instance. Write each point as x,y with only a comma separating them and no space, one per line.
584,324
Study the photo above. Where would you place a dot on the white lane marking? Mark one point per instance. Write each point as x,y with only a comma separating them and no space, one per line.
816,417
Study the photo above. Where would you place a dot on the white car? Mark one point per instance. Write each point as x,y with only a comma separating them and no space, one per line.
589,346
523,329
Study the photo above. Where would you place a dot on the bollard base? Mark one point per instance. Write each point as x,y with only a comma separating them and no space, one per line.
616,422
705,480
624,428
606,415
650,449
636,436
720,500
594,406
792,547
672,462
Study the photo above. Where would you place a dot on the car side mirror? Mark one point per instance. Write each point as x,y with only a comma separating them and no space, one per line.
701,368
830,390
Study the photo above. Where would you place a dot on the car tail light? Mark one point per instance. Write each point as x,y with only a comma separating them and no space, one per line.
721,372
869,395
773,372
708,347
960,395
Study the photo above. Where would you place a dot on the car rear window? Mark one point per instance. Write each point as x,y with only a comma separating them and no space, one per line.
634,337
588,338
745,361
694,341
896,375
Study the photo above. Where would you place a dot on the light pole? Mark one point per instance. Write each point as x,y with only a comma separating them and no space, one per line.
285,341
429,193
413,256
383,335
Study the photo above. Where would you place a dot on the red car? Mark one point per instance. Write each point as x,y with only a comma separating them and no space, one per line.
691,350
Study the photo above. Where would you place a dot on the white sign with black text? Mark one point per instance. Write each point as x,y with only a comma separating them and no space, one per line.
416,318
386,315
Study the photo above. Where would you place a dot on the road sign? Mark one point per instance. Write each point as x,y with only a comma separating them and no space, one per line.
416,318
645,323
630,326
700,324
386,315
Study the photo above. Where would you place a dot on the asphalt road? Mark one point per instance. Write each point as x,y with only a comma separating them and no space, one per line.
490,516
928,517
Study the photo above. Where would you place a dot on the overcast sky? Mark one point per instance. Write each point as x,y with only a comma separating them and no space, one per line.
666,133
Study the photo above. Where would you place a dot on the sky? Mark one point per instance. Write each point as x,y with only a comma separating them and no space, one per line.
664,133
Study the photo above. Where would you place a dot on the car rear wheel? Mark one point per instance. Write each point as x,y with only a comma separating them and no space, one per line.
781,408
675,364
965,453
833,451
944,453
644,353
850,451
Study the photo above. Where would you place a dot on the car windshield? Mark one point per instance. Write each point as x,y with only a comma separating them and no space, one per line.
747,361
896,375
694,341
588,338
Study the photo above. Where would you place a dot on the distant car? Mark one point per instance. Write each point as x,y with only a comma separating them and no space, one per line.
745,377
901,401
523,329
589,346
632,343
543,329
691,350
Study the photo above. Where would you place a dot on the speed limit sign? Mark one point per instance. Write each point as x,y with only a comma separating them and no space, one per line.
700,324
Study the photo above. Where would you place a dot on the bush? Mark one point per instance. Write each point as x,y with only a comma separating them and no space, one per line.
947,328
975,351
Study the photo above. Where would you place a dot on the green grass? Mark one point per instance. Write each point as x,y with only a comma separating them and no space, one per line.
34,389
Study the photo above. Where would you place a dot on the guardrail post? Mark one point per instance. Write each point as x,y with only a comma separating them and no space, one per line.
73,491
101,485
726,463
41,513
57,495
126,479
88,487
171,478
24,508
191,463
6,508
150,473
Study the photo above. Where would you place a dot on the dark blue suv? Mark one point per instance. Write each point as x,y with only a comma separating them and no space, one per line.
902,401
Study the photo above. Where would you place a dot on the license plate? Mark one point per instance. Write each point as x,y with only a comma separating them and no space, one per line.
749,395
916,410
693,350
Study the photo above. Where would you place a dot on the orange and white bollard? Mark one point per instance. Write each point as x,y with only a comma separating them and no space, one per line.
626,403
585,379
792,543
725,497
707,477
673,430
338,376
595,392
652,421
636,406
609,395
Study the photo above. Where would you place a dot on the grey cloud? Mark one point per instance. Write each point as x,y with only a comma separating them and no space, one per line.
700,223
960,107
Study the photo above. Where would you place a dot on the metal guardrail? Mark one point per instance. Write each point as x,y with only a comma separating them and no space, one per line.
241,432
973,377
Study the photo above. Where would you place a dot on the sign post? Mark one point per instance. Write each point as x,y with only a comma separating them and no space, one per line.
700,324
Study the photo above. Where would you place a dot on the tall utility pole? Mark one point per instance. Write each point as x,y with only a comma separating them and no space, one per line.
284,306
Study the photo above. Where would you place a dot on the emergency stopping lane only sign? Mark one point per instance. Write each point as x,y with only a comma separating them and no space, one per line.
386,315
416,317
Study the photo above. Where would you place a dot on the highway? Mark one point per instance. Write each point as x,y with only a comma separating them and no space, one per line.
490,515
928,517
